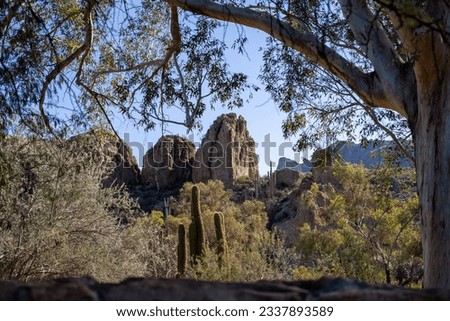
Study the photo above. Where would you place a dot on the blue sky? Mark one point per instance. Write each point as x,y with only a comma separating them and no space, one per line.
262,115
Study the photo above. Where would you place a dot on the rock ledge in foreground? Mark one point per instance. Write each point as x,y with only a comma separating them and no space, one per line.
179,289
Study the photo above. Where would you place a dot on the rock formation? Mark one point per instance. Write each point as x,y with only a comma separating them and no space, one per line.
285,162
327,289
288,177
169,163
287,214
111,151
227,152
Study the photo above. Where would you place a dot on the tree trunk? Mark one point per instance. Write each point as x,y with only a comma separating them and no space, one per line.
432,147
387,272
423,98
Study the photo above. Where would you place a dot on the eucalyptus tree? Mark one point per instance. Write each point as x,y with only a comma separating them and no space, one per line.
67,63
390,58
332,65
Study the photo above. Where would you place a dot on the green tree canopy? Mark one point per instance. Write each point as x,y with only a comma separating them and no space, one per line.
68,63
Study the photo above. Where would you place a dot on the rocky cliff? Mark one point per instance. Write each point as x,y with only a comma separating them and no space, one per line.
113,153
169,163
227,152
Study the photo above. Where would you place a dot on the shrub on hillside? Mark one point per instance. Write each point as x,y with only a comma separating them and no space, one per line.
254,252
56,220
363,228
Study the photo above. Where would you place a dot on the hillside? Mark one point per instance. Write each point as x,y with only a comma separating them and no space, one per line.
83,207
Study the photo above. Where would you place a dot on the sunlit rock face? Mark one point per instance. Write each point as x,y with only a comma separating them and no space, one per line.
227,152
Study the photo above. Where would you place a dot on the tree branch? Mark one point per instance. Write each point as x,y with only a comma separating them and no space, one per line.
11,13
153,63
365,85
390,133
419,15
377,122
89,35
164,120
404,30
64,64
185,100
388,66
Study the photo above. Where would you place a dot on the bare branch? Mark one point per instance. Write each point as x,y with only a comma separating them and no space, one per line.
399,144
156,117
153,63
379,49
185,98
64,63
369,33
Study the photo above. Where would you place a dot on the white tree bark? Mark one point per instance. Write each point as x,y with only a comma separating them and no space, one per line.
432,144
432,137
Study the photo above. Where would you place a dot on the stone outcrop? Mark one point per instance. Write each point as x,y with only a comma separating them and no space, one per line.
227,152
288,178
327,289
126,170
169,163
115,155
285,162
288,214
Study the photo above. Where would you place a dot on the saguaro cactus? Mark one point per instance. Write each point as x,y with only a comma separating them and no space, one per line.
192,241
222,248
182,251
166,209
197,236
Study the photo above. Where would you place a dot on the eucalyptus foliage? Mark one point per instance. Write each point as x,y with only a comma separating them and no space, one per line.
67,64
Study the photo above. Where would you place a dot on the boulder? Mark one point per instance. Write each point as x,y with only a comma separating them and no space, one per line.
289,214
169,163
285,162
325,289
227,152
288,178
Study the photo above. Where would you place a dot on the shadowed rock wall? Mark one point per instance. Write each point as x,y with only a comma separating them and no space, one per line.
169,163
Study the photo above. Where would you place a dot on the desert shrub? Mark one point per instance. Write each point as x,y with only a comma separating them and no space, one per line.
57,220
147,245
363,228
243,180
